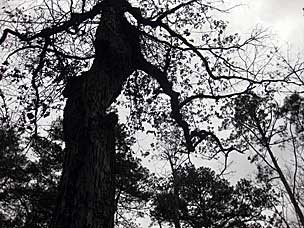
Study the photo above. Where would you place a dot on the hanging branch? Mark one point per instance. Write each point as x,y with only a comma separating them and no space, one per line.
34,82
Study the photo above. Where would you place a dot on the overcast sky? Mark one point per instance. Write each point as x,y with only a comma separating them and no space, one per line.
283,17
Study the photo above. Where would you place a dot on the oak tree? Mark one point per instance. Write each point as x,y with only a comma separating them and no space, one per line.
175,56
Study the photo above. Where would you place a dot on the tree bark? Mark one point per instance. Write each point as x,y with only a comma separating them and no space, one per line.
86,197
176,203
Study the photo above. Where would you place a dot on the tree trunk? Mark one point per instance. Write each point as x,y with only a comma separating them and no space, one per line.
86,197
176,203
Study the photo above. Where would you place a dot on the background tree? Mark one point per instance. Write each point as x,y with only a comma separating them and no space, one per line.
207,200
30,178
198,197
273,133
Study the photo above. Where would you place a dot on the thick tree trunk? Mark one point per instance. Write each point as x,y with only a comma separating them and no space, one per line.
87,189
86,198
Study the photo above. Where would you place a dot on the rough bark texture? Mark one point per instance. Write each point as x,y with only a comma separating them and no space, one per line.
87,187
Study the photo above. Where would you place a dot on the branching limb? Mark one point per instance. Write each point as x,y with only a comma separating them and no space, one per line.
48,32
14,33
209,96
203,134
34,81
176,114
161,16
162,79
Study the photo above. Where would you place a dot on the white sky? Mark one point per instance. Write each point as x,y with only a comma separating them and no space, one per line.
283,17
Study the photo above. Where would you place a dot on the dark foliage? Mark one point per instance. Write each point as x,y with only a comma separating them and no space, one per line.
29,178
206,200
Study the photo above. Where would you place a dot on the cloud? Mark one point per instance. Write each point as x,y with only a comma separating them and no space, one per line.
285,18
276,10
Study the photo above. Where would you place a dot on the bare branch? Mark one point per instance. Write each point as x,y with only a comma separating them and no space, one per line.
47,32
173,10
162,79
34,84
209,96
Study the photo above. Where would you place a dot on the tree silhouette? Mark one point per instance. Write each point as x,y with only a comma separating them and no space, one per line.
95,48
207,200
267,128
29,185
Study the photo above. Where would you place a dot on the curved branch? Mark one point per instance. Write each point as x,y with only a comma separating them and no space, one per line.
9,31
208,96
76,18
34,84
173,10
166,85
176,114
203,134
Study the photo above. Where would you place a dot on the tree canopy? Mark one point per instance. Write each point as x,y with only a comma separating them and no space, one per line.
169,65
206,200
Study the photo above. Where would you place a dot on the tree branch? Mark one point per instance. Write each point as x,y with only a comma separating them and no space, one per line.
162,79
208,96
47,32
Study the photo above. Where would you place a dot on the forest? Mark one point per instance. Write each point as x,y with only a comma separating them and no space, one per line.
112,111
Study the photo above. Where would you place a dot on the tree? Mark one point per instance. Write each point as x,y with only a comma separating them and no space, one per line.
207,200
267,128
29,185
198,197
120,44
